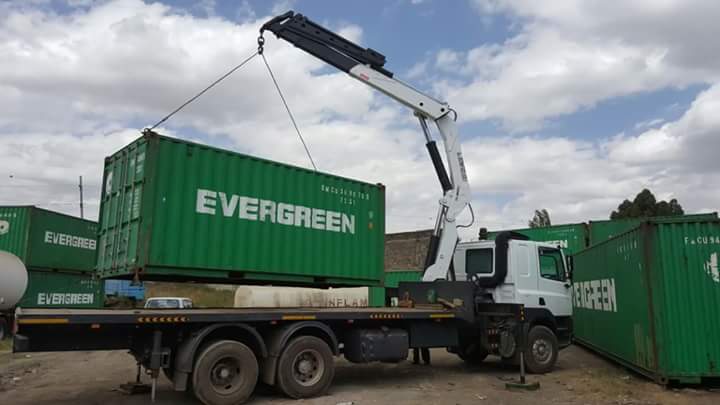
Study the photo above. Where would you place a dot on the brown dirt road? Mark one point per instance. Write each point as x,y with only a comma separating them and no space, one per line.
580,378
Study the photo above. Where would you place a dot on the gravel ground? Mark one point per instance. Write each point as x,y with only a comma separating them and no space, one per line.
580,378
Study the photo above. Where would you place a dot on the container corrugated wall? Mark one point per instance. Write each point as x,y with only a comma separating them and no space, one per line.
603,230
393,277
650,298
45,239
14,225
376,297
49,289
571,237
178,210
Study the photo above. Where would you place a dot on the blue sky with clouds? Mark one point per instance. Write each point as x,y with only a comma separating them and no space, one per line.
570,106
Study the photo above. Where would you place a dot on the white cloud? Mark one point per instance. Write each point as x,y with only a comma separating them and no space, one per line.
282,6
245,12
649,123
687,146
571,55
576,181
206,6
43,169
72,85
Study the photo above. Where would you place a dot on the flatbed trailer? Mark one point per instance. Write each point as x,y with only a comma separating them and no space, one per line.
221,354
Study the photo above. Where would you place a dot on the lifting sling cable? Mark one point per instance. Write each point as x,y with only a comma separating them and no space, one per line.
259,51
287,108
195,97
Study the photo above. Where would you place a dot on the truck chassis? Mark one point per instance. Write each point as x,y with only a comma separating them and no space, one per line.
221,354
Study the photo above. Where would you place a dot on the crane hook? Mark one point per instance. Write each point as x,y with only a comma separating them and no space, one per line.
261,43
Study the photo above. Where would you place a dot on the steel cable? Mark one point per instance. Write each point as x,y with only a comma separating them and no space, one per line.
204,90
292,118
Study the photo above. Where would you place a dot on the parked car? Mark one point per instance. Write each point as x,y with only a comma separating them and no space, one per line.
168,303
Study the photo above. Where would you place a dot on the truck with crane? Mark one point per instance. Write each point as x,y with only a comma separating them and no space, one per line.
503,297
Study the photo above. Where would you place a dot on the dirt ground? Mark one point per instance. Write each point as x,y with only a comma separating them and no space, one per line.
580,378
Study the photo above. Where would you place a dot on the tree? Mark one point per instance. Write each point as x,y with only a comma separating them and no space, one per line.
541,219
645,205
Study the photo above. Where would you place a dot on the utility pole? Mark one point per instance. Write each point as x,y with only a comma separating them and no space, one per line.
82,214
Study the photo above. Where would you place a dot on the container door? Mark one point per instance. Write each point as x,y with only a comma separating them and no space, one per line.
554,288
120,214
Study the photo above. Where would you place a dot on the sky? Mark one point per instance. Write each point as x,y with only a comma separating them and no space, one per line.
571,106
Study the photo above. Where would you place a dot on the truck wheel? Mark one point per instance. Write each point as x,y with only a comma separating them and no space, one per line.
473,354
225,373
542,350
305,368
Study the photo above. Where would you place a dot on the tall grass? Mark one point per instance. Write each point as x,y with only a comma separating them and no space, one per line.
5,345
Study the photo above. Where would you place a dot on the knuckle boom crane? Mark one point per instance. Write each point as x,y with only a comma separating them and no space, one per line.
367,66
510,296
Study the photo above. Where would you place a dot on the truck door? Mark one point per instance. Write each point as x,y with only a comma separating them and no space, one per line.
553,286
526,283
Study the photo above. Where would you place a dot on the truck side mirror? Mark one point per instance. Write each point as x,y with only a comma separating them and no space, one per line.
570,265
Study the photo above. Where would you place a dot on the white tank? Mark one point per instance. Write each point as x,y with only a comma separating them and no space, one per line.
13,280
287,297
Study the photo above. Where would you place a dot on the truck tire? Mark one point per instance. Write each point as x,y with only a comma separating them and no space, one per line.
473,354
225,373
305,368
542,350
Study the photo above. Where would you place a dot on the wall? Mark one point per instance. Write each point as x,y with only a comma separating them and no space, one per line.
406,250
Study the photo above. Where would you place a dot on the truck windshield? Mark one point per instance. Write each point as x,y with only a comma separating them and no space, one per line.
163,304
479,261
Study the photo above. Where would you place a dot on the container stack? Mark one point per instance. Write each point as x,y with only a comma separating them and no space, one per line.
649,298
600,231
59,253
571,238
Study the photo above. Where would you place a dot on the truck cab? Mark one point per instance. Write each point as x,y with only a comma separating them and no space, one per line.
513,270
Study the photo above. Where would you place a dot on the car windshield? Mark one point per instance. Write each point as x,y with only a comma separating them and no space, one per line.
162,303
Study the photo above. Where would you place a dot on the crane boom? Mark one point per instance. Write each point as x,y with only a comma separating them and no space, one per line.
367,66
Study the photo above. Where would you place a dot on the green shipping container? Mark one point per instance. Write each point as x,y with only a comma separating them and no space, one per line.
571,237
45,239
180,211
604,230
50,289
376,296
650,299
393,277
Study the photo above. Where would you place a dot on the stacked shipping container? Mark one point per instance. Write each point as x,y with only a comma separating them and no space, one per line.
576,237
59,253
603,230
570,237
